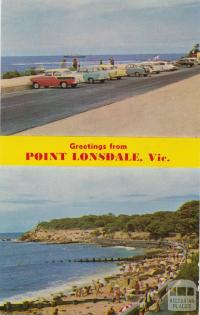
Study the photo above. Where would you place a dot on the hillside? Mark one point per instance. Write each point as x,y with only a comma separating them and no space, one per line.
184,221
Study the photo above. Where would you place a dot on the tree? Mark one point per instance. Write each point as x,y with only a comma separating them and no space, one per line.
190,271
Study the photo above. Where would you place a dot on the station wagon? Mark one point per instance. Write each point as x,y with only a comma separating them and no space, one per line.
92,75
55,78
114,72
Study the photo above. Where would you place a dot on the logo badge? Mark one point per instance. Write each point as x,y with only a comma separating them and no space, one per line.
182,296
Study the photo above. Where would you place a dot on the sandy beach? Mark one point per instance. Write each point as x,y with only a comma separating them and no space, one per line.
172,110
120,291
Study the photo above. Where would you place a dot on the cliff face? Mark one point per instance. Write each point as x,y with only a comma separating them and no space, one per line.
58,236
78,236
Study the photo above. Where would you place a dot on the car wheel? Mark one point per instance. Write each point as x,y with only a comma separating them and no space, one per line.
118,78
102,81
63,85
90,80
36,85
137,74
74,85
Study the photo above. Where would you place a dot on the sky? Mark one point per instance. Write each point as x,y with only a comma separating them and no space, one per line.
49,27
29,195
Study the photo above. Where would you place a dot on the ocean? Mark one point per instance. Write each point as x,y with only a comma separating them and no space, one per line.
37,269
21,63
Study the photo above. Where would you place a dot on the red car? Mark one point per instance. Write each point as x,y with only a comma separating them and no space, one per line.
54,79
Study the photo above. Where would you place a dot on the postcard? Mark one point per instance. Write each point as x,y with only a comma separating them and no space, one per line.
99,162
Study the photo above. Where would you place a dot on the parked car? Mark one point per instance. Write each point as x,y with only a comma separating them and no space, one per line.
92,75
166,65
77,75
187,62
135,70
193,59
114,72
54,78
153,67
67,72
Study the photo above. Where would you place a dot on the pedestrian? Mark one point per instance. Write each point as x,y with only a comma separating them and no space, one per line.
75,64
137,287
117,294
112,62
64,63
125,295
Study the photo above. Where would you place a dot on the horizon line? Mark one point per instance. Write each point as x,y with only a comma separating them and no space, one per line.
87,54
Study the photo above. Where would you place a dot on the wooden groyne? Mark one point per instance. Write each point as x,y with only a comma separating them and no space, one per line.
109,259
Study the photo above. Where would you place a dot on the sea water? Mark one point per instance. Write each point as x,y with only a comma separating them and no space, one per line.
21,63
38,269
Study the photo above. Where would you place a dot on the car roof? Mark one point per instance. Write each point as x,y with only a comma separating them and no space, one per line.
57,69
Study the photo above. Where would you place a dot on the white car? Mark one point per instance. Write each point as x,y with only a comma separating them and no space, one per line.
166,65
152,66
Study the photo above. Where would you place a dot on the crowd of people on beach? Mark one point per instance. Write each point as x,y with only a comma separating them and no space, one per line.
138,283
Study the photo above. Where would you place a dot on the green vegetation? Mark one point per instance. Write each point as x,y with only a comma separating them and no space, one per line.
16,74
194,50
190,271
159,224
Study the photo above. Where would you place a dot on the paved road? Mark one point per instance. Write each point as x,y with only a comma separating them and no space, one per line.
32,108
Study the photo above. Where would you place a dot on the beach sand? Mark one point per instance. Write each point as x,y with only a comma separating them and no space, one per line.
169,111
149,272
100,308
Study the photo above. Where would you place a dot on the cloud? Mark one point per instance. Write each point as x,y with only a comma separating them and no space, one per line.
24,201
134,195
24,6
180,197
97,26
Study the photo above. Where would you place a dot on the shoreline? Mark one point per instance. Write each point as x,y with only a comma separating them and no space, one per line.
70,302
65,288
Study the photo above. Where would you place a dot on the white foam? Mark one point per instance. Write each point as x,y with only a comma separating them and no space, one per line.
128,248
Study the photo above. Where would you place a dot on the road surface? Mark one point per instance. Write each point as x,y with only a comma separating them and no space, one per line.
24,110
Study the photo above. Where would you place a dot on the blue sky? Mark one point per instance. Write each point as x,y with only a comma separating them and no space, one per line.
49,27
29,195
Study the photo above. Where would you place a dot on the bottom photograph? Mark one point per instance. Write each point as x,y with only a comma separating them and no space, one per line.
99,241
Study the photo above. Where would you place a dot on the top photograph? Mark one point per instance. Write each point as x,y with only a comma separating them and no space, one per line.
100,68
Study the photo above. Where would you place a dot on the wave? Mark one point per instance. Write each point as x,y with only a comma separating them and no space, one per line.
125,247
37,63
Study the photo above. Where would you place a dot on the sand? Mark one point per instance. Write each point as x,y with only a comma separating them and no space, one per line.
170,111
138,271
100,308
